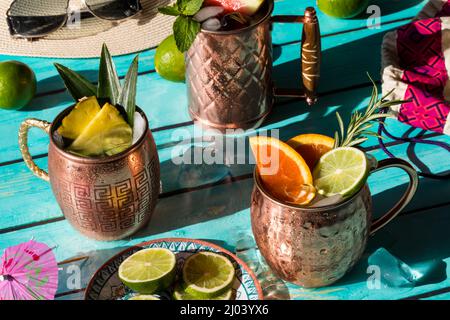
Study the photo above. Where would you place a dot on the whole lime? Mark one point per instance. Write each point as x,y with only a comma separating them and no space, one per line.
342,8
17,85
169,61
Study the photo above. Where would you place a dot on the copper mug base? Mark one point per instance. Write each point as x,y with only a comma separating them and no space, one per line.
315,247
103,198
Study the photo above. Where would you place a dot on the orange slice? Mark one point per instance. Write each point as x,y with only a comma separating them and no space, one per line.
311,147
283,171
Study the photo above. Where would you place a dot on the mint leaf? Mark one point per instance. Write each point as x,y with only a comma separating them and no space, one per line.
169,10
185,29
192,7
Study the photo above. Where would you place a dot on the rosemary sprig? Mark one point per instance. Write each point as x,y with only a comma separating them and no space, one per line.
360,123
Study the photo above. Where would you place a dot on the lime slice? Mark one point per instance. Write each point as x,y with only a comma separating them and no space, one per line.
79,118
341,171
207,274
148,270
144,297
107,134
181,294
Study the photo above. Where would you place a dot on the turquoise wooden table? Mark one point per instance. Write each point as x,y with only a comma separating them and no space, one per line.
212,202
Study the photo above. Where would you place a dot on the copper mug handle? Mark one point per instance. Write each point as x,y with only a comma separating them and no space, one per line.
23,145
310,56
379,223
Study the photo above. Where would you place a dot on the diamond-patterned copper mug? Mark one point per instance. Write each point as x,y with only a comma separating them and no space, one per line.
103,198
229,73
316,246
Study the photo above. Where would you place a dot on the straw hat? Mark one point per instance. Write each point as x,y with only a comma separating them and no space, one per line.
85,38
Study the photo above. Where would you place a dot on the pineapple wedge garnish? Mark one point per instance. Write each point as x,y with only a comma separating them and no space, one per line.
106,134
79,118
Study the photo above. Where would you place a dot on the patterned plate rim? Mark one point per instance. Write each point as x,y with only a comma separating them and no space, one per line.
200,242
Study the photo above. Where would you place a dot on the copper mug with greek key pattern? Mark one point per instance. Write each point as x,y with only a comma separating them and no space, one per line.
316,246
103,198
229,73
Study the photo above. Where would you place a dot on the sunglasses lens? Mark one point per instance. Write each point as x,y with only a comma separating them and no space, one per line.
114,9
29,18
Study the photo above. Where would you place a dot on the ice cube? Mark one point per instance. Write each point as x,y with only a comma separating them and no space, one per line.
394,272
139,127
212,24
322,201
207,13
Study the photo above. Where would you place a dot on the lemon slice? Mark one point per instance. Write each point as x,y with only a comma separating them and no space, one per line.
107,134
148,270
79,118
207,274
341,171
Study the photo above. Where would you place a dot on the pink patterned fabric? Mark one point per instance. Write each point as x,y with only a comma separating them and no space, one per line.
419,49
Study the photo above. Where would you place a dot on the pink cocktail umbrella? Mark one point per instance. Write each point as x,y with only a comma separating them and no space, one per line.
28,271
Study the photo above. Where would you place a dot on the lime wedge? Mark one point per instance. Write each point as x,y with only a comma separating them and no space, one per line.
107,134
144,297
148,270
207,274
181,294
79,118
341,171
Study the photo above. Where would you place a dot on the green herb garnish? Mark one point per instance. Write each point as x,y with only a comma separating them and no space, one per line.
185,28
360,123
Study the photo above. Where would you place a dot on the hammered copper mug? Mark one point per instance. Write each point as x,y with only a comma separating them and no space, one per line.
103,198
316,246
229,73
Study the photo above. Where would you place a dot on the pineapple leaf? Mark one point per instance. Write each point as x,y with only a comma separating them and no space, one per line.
127,97
78,86
108,81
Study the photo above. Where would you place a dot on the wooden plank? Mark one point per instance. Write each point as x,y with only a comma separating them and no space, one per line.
282,34
36,203
28,200
160,98
209,214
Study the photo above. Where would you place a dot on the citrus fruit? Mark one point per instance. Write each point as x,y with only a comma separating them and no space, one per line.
248,7
341,171
180,294
207,274
169,61
17,85
311,147
144,297
342,8
78,119
106,134
148,270
283,171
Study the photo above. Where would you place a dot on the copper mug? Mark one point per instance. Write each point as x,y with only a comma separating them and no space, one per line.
103,198
315,247
229,73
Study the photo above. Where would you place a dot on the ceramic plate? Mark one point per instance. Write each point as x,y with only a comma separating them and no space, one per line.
105,283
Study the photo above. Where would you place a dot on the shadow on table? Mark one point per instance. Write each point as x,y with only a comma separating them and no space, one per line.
334,79
46,97
412,238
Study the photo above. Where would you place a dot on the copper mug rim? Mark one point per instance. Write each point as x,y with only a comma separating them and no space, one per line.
259,185
241,30
77,158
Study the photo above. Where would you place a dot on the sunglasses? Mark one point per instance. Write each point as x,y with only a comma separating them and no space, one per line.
38,18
